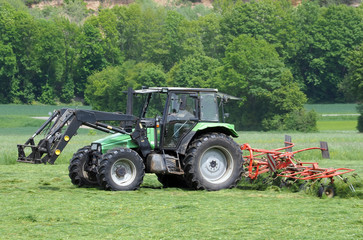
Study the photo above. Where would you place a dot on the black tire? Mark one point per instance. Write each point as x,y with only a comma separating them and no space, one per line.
121,169
328,191
80,172
213,162
176,181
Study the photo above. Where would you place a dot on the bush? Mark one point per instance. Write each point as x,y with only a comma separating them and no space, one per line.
47,96
298,120
301,121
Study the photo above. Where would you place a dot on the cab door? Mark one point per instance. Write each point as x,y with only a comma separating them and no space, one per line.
181,117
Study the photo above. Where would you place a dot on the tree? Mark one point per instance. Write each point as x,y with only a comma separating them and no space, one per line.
211,35
24,43
7,72
171,40
353,82
194,71
107,23
106,89
91,57
269,19
65,88
327,35
253,71
128,26
50,55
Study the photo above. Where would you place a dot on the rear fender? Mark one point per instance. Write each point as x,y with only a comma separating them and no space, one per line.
202,128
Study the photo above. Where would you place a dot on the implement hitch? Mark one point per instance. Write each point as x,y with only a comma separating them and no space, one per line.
50,147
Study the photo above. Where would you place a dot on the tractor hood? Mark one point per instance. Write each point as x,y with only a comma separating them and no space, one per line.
116,140
122,140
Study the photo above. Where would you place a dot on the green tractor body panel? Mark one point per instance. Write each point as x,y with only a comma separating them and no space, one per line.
229,128
123,140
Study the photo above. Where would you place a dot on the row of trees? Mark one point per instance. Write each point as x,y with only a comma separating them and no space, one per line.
267,52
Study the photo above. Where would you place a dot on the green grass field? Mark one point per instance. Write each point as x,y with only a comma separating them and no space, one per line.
39,201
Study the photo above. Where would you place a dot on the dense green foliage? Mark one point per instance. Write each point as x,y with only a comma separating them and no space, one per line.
353,82
269,53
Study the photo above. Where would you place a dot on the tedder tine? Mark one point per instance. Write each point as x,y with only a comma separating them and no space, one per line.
324,150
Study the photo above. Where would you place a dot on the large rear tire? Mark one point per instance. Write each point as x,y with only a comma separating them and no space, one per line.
121,169
213,162
80,169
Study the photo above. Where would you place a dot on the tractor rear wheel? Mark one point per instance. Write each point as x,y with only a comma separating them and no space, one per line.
121,169
80,169
213,162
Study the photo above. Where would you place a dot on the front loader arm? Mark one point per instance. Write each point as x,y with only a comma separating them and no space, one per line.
50,147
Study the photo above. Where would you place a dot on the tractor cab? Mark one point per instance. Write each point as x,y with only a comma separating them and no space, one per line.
173,112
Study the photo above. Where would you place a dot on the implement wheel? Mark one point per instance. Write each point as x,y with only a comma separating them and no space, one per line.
327,191
81,171
121,169
213,162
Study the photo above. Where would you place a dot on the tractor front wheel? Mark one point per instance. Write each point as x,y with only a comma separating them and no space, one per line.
81,171
121,169
213,162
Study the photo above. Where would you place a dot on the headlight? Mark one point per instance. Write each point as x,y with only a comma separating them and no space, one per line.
96,147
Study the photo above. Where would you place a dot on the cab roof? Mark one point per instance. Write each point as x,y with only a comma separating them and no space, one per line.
181,89
169,89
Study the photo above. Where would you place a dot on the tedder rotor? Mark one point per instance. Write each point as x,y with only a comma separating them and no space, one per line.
281,162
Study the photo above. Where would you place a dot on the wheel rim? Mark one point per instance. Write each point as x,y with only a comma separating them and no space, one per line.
216,165
329,192
123,172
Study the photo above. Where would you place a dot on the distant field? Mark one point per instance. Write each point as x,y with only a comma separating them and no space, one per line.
335,117
333,108
33,110
19,116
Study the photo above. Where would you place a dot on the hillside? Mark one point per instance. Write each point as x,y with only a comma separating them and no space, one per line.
95,5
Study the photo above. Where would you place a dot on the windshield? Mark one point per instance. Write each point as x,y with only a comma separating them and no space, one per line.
150,105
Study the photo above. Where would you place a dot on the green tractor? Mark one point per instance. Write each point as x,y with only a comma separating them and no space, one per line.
179,135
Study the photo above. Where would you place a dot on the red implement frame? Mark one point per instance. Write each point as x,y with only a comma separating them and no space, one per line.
285,165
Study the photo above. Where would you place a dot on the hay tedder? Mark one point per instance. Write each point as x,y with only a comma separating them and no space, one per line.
281,162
